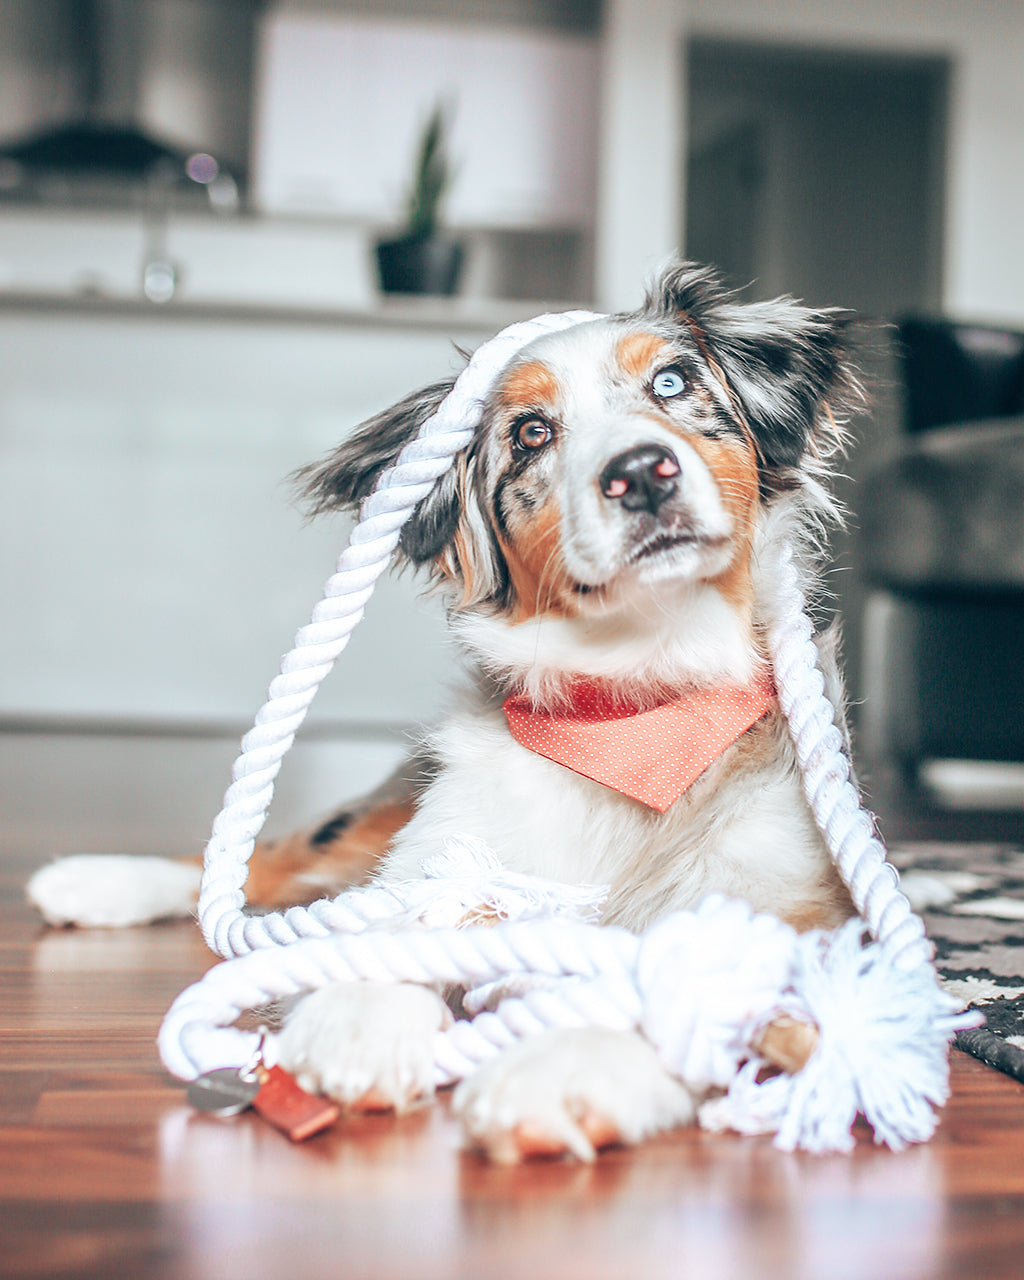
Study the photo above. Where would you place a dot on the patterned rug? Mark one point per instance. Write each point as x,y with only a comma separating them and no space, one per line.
972,899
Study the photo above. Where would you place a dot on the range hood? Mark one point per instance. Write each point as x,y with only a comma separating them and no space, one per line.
102,148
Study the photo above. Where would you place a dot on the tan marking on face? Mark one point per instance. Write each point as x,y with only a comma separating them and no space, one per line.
637,353
536,567
733,463
734,467
459,561
533,548
456,561
529,386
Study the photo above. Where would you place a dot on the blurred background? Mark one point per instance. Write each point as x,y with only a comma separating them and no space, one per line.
192,198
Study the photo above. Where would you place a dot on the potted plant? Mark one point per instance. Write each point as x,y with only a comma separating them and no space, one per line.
423,258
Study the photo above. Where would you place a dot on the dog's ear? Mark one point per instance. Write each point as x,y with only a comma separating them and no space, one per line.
786,364
348,475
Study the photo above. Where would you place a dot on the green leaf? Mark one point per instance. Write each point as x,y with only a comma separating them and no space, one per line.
432,174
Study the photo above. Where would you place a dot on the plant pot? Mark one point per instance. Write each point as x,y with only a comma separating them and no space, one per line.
419,264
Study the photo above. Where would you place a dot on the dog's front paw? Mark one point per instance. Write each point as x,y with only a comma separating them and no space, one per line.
369,1046
569,1092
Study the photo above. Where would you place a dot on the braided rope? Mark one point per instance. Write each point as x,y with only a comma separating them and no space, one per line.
557,948
197,1030
828,784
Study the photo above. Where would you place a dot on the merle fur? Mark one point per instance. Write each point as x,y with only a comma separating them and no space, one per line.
331,829
783,362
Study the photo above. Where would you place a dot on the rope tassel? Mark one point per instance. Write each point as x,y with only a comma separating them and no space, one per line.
883,1036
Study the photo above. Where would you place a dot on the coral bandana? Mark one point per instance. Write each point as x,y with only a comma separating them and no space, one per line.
652,756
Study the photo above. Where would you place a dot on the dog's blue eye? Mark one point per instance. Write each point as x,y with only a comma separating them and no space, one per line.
668,383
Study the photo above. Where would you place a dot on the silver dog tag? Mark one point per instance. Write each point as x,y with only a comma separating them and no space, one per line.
224,1092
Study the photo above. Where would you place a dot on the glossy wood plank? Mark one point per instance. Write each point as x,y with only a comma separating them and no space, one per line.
106,1172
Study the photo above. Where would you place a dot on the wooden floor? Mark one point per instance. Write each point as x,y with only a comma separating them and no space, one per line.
105,1172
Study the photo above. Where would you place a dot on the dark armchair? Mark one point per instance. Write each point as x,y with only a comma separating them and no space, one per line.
941,552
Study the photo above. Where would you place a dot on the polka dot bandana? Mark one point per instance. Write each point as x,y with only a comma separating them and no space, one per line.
652,755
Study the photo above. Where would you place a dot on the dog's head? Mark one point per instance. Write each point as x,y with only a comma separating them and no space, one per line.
621,458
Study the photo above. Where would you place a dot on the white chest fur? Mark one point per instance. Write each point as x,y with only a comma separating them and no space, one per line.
743,828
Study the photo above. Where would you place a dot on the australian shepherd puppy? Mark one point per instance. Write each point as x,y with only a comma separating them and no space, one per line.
602,543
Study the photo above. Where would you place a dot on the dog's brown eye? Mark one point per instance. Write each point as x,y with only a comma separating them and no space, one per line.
533,433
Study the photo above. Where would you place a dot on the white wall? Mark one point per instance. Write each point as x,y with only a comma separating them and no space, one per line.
644,127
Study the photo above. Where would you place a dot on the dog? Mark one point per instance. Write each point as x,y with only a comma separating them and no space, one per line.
602,544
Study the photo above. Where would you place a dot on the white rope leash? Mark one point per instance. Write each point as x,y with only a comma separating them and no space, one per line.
623,980
469,957
198,1033
848,830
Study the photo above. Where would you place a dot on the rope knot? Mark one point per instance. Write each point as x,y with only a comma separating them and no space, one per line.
707,979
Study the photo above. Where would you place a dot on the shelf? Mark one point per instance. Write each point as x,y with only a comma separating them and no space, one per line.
470,315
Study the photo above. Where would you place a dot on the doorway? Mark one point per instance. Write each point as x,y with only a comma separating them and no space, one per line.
818,173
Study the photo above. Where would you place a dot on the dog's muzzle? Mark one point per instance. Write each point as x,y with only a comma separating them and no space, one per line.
642,478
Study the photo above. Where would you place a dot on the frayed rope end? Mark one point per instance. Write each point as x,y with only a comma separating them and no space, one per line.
882,1053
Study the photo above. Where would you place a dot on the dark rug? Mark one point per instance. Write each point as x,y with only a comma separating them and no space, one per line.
972,899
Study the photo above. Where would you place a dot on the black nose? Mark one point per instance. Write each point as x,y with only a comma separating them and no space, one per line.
641,478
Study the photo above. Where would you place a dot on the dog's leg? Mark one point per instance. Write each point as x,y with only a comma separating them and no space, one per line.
569,1092
369,1046
326,859
117,890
